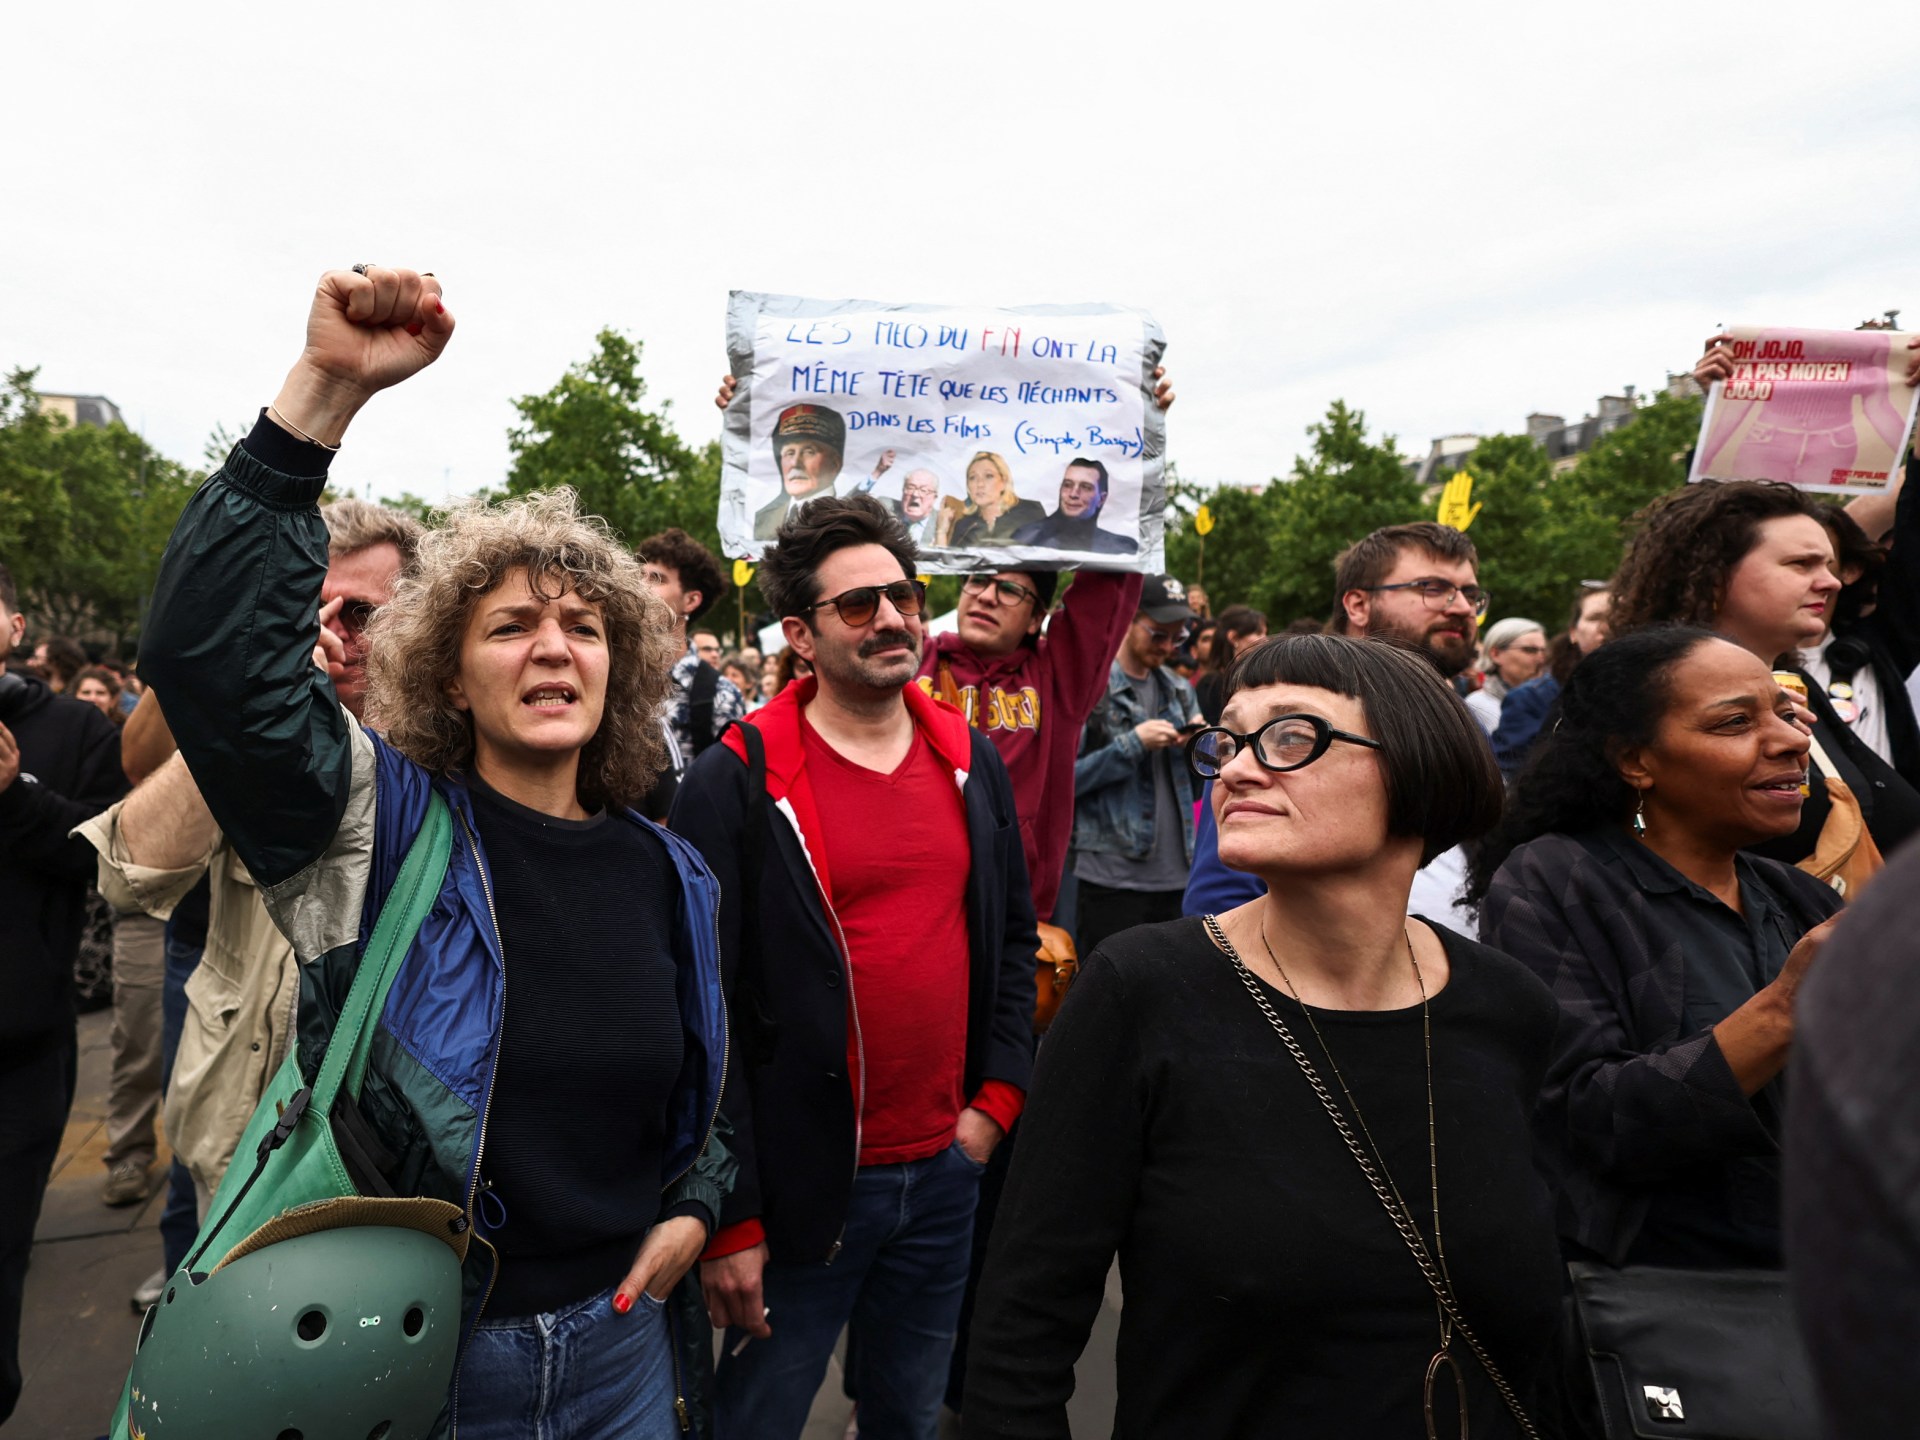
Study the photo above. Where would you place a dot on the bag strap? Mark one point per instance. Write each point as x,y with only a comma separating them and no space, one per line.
753,839
405,907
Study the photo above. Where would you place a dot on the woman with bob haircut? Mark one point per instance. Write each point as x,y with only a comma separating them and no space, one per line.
992,512
1618,876
1288,1273
551,1055
1754,562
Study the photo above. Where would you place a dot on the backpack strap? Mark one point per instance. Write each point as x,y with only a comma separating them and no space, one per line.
706,684
406,906
753,839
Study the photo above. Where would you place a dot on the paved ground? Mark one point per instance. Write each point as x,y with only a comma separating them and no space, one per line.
78,1331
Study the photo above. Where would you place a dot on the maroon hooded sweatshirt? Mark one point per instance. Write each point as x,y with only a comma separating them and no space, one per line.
1034,703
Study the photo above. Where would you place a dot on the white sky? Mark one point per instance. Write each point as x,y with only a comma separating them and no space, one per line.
1447,215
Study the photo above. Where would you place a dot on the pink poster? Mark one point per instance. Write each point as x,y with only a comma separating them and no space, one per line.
1820,409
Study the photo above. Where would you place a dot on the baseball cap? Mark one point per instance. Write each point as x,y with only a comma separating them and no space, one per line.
1163,600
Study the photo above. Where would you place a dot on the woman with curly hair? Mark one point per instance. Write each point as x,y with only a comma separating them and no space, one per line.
1621,874
551,1055
1754,562
993,512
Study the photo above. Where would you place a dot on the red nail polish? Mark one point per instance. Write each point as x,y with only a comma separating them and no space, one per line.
415,328
622,1302
438,308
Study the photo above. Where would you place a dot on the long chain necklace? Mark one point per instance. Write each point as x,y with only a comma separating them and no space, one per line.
1375,1169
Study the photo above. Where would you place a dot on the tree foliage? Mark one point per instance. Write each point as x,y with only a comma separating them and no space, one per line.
85,512
593,431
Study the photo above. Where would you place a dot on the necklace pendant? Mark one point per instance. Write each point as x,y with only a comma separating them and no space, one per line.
1442,1358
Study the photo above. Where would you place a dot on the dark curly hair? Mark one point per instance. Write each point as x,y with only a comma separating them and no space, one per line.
813,532
1240,620
1687,544
697,567
1613,701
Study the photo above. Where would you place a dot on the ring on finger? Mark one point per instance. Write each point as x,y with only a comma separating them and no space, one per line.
364,268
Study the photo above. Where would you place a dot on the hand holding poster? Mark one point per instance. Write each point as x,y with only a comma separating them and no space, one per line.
999,438
1820,409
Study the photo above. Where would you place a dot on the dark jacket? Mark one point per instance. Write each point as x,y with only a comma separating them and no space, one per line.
1630,1095
69,772
322,811
1523,715
788,1096
1063,532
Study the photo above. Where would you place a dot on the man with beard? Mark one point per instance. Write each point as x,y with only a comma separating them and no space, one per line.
59,763
1415,584
157,846
1075,525
877,936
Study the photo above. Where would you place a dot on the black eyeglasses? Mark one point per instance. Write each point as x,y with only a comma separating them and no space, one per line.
1286,742
1439,593
860,604
1009,592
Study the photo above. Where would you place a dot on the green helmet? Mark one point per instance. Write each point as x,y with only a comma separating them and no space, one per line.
346,1334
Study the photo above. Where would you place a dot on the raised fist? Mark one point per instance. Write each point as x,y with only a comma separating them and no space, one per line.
364,333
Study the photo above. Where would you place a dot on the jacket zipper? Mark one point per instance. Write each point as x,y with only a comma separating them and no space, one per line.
859,1039
486,1105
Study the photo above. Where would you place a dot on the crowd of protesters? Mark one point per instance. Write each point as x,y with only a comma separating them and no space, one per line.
1365,990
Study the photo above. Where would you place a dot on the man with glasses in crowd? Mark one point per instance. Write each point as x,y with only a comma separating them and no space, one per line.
881,994
1133,794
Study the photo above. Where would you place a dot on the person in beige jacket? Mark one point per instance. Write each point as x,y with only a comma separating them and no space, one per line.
156,844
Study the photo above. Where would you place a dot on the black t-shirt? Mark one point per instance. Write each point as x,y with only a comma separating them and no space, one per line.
591,1044
1267,1292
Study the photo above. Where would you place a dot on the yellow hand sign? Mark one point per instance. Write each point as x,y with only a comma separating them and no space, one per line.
742,573
1456,507
1203,521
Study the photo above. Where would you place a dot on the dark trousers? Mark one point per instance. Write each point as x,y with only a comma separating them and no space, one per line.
180,1221
36,1092
1106,911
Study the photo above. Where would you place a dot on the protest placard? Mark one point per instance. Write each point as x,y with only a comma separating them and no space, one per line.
1820,409
1001,438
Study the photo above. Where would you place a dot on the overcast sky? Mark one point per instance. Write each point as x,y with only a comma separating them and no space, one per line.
1446,215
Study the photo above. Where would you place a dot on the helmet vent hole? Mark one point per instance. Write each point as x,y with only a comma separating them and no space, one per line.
379,1432
415,1322
312,1326
170,1294
289,1434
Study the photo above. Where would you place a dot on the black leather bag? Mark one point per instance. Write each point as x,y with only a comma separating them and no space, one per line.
1695,1354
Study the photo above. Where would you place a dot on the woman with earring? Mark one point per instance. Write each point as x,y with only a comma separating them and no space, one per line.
1302,1125
1619,876
1754,562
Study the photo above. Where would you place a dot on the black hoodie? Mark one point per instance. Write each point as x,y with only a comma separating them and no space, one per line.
69,772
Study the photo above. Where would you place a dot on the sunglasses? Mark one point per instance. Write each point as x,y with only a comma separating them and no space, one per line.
860,604
1007,591
355,615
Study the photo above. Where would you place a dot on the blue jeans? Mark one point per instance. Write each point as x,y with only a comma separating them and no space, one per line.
578,1372
180,1220
896,1282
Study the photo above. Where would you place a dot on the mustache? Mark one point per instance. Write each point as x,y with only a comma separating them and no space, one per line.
887,640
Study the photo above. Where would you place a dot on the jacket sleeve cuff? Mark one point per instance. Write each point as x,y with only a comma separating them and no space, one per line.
279,449
1000,1102
697,1209
731,1240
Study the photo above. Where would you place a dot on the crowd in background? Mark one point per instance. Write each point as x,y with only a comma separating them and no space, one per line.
1426,969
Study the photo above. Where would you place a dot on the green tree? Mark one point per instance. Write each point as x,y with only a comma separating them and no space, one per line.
1238,554
1511,475
1344,487
1590,506
594,432
85,512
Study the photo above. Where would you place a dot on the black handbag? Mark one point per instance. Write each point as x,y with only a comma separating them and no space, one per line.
1695,1354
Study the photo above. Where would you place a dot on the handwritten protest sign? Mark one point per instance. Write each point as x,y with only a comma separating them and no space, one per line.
1000,438
1820,409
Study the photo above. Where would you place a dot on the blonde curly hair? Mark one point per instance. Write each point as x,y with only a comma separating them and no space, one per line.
413,642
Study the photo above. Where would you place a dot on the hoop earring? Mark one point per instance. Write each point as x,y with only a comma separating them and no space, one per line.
1640,815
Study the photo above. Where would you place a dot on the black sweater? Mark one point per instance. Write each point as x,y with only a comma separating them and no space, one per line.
69,772
590,1045
1267,1293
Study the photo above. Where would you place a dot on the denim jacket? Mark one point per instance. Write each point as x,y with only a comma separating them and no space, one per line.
1113,778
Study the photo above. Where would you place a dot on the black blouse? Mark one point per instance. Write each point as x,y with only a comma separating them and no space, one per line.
1267,1292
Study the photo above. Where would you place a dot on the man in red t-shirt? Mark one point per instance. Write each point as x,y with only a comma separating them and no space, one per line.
878,938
